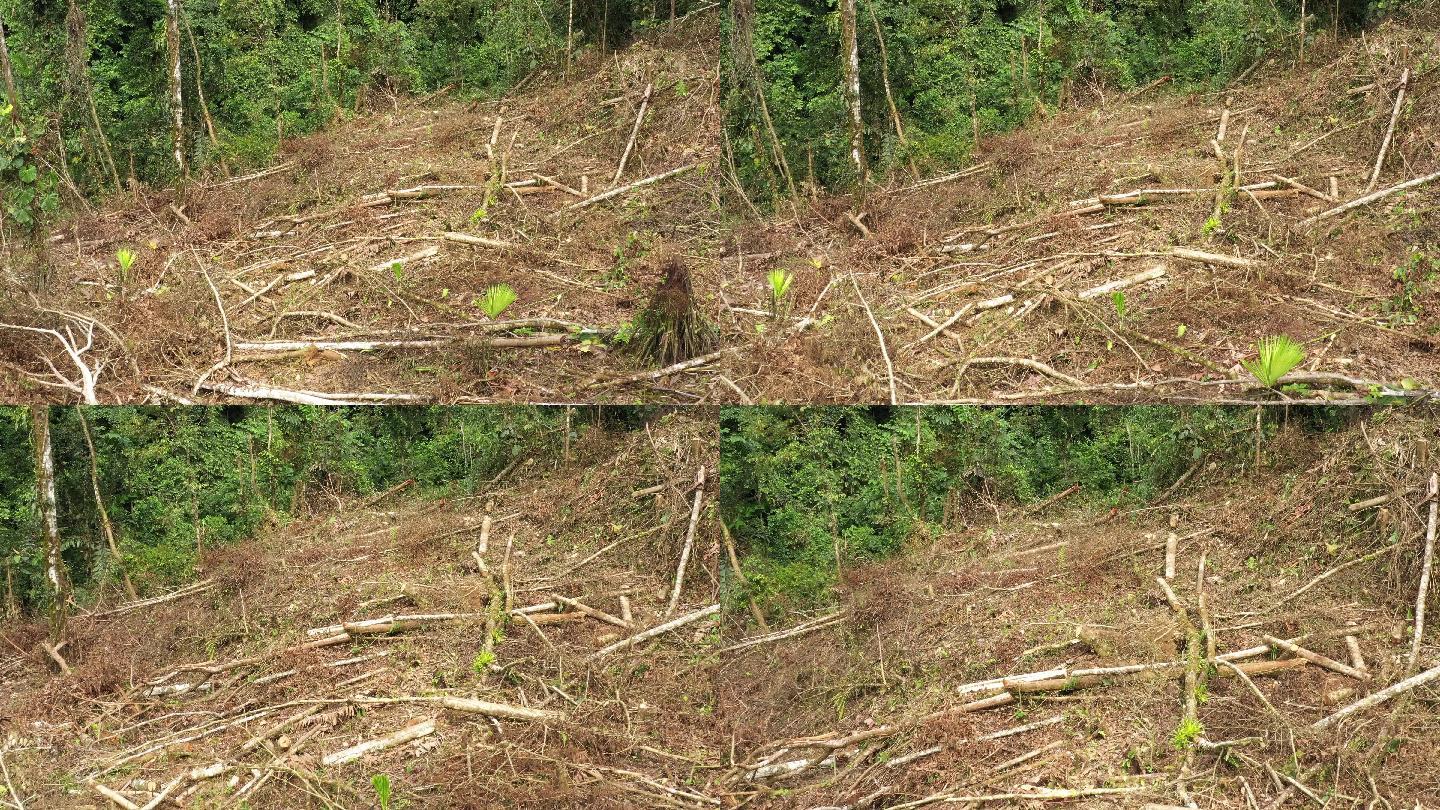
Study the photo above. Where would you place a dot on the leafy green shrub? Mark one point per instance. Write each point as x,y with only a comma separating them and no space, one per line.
1278,354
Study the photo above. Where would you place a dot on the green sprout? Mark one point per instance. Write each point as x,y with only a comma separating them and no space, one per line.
381,783
780,280
497,299
1278,354
1187,733
397,269
1118,299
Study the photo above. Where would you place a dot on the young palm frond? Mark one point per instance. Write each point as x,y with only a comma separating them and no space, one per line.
1278,354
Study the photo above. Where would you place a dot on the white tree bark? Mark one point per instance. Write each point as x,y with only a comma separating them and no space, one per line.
45,496
851,51
177,102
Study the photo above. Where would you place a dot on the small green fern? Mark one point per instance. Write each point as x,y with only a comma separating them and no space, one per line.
1277,355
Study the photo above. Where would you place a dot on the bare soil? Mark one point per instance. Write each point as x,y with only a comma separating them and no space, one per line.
1003,592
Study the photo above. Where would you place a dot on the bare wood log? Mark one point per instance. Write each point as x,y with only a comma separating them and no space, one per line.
423,253
1316,658
658,630
689,542
120,799
1433,495
388,624
1172,547
1296,185
308,397
1390,130
1357,658
1153,273
1337,569
1377,698
478,241
1372,197
595,613
615,192
506,711
412,732
634,131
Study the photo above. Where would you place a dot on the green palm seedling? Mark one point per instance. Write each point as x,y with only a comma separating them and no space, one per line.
1277,355
780,280
497,299
125,257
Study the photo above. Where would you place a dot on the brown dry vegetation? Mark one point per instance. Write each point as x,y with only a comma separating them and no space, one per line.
1330,285
637,723
592,268
987,599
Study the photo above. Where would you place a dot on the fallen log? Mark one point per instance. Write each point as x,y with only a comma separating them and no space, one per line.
404,735
1372,197
1379,697
658,630
388,624
615,192
1153,273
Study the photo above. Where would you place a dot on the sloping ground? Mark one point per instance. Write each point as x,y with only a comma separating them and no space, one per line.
304,255
141,714
897,704
1010,255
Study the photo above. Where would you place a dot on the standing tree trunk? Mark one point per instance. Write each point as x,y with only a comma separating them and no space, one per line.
12,97
45,496
105,524
177,101
850,45
79,47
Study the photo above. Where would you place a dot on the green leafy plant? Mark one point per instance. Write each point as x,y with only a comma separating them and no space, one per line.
498,298
1277,355
1118,299
482,662
397,269
780,280
27,192
1187,733
381,783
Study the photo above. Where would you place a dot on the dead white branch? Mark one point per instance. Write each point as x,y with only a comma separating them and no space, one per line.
630,144
308,397
1433,495
689,542
1379,697
1158,271
1372,197
658,630
75,348
615,192
404,735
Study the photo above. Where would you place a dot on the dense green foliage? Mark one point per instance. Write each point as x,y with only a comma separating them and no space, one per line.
178,479
958,67
799,485
268,68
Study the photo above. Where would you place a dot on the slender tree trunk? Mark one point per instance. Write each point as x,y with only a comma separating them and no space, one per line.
177,101
890,97
200,96
10,94
569,35
850,54
80,44
105,524
45,496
